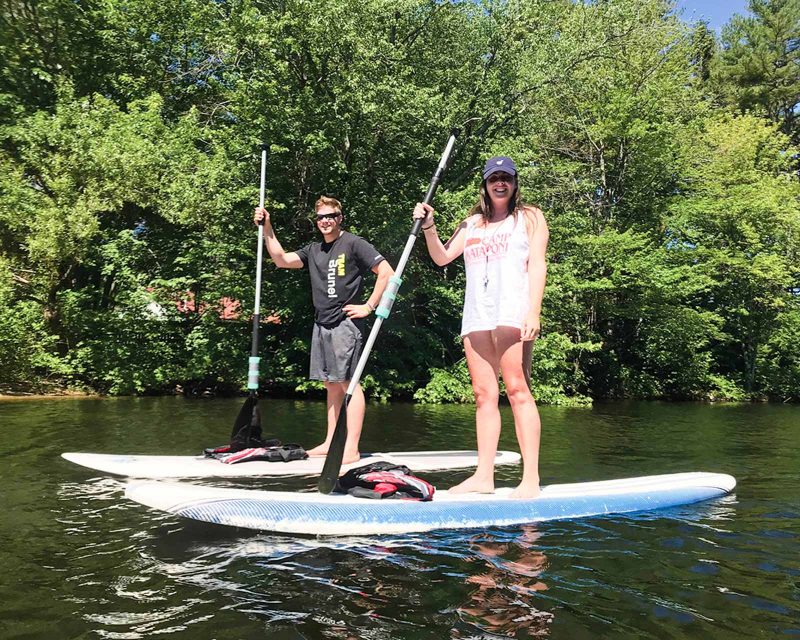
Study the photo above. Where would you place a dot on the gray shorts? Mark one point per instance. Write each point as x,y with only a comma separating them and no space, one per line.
335,351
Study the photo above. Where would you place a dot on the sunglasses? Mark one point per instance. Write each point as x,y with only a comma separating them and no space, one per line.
500,177
328,216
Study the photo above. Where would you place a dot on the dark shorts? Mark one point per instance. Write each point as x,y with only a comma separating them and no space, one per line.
335,350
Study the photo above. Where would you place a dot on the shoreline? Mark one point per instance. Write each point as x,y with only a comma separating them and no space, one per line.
8,396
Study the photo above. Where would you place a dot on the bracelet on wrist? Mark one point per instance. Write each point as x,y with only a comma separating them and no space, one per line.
430,226
371,308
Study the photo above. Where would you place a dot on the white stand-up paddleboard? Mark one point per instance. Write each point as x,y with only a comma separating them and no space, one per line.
202,467
318,514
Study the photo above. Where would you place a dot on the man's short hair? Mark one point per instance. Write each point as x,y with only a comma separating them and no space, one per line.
325,201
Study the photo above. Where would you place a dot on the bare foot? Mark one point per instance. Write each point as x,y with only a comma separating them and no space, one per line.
523,492
322,450
349,458
318,451
473,485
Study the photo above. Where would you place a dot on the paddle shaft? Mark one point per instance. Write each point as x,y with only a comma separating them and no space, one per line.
253,370
389,296
333,461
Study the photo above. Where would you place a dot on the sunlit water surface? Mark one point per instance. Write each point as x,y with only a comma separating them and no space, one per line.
80,561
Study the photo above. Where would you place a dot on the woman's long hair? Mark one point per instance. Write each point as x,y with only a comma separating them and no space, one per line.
482,206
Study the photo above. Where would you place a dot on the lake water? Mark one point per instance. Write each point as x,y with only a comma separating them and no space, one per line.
80,561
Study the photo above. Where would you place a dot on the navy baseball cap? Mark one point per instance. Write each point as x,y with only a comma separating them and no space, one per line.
499,163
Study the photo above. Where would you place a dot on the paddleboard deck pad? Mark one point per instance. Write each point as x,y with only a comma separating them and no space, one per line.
202,467
318,514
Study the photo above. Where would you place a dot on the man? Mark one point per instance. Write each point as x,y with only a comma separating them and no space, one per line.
337,266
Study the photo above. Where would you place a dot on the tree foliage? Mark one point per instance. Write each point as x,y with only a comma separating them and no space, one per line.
662,157
758,67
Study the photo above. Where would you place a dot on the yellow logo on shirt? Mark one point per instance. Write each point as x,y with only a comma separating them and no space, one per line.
335,268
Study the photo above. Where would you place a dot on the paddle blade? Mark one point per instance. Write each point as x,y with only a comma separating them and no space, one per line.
333,461
243,426
256,438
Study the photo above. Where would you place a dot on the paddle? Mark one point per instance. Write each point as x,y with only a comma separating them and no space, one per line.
247,426
333,461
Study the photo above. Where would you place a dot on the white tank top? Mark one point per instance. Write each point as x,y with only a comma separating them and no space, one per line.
496,262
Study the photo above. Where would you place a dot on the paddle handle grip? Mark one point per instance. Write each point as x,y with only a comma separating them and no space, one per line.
388,297
252,372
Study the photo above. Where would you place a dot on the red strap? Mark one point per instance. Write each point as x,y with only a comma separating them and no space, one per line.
385,489
244,454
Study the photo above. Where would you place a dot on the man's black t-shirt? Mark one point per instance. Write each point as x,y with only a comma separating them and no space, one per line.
337,272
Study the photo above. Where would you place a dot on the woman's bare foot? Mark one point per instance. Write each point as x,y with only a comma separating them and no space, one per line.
525,491
474,485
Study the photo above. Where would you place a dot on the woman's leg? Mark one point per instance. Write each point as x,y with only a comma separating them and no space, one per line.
483,367
527,360
526,415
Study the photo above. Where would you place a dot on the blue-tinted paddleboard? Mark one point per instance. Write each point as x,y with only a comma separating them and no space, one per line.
317,514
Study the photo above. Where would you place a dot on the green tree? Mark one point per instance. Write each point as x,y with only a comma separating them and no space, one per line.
758,67
42,43
738,222
128,150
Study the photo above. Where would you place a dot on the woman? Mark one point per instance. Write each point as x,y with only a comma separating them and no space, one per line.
504,243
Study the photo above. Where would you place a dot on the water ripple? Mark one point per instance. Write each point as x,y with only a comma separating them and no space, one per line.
80,561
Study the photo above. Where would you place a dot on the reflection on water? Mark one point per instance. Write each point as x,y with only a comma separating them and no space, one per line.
364,587
504,602
80,561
